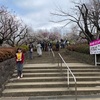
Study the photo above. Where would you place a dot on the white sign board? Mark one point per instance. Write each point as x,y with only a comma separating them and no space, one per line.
95,47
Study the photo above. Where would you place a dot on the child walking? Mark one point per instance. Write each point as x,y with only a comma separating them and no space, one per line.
19,62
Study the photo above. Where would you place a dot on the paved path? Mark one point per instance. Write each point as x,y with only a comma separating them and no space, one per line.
47,58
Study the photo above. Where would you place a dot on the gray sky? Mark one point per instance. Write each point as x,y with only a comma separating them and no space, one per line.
36,13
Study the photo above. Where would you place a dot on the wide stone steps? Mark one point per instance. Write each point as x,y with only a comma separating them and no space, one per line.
46,65
55,79
58,74
49,91
48,79
52,84
63,67
58,70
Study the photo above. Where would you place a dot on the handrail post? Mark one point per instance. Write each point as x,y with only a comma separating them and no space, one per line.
61,63
58,62
95,60
53,59
68,78
75,91
53,55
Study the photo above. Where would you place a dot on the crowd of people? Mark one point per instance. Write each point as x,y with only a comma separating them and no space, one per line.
40,46
45,46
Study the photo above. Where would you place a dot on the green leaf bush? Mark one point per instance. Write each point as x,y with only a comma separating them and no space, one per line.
81,48
24,48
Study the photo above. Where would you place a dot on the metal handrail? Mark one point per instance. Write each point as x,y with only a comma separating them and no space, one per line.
53,53
69,71
53,56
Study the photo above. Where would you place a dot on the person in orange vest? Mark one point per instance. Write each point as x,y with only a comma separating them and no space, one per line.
19,62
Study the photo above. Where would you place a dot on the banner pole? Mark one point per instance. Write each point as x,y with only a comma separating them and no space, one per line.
95,60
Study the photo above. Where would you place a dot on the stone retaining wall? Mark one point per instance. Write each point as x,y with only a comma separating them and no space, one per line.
6,70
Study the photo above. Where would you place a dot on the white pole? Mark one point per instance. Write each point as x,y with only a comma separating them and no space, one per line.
95,60
68,77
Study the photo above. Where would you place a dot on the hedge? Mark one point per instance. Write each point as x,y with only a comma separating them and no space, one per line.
7,53
82,48
23,47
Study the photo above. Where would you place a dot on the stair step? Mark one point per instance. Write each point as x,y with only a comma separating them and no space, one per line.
61,72
65,97
63,67
52,84
55,66
53,74
50,65
58,70
58,74
39,79
49,91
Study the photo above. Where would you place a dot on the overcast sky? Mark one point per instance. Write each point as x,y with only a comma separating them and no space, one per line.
36,13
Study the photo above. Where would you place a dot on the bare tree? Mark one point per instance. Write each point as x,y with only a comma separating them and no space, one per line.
7,25
12,30
84,13
31,35
18,37
86,19
94,15
42,35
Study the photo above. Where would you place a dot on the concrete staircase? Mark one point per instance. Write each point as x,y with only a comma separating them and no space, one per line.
47,79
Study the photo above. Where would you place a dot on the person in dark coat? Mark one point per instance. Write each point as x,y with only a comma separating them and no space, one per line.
57,46
30,50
